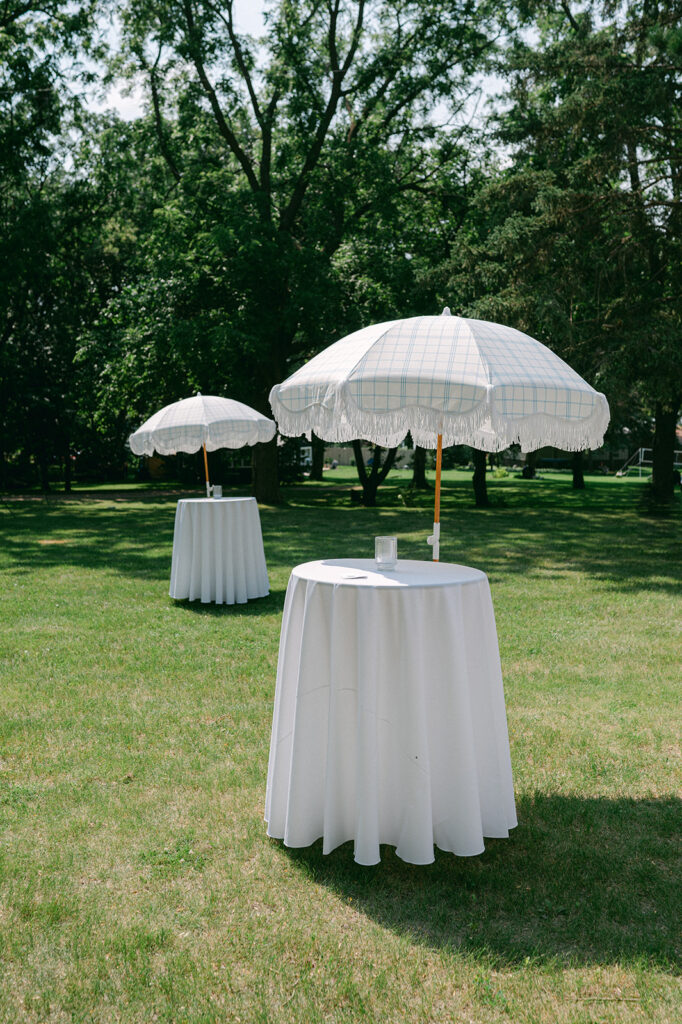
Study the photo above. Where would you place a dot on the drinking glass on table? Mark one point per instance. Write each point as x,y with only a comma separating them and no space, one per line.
386,553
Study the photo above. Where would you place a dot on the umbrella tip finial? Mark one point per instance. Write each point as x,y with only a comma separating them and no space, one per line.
446,311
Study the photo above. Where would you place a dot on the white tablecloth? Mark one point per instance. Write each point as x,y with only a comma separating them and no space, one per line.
389,722
218,551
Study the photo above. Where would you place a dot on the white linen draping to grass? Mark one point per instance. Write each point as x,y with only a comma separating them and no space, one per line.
389,723
218,551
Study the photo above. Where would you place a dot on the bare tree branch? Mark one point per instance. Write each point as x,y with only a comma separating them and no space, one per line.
388,462
567,11
223,126
266,143
265,118
338,74
158,119
239,56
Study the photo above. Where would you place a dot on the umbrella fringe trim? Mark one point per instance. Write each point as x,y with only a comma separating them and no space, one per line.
341,421
142,443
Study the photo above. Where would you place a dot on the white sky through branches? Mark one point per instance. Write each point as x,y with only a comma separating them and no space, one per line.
129,102
129,105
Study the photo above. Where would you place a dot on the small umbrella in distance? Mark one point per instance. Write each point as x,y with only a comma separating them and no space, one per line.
203,421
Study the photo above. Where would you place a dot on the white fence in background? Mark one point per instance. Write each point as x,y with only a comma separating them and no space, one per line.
641,459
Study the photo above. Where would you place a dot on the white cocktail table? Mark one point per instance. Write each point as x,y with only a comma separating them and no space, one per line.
389,722
218,551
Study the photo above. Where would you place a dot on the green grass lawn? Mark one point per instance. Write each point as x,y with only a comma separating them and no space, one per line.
137,883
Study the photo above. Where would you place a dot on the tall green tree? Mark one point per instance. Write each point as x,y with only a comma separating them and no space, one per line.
578,241
41,277
297,140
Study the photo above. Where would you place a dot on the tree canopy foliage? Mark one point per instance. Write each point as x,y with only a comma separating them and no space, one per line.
579,240
277,193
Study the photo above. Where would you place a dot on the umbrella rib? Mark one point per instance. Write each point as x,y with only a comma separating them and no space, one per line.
380,337
347,376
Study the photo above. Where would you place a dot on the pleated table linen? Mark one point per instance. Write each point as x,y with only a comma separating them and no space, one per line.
218,551
389,722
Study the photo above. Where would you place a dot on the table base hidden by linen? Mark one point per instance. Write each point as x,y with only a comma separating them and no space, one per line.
218,551
389,721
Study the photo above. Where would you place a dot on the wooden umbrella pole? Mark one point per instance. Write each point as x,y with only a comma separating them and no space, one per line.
434,539
439,462
208,486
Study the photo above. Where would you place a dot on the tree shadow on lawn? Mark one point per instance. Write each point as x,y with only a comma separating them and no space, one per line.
609,542
585,880
134,541
537,530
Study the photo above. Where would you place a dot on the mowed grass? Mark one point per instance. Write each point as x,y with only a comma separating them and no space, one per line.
137,883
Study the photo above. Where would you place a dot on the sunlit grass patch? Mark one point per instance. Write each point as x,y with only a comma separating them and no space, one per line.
136,879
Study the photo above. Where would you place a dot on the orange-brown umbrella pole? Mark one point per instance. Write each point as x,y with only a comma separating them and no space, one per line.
208,486
439,462
434,539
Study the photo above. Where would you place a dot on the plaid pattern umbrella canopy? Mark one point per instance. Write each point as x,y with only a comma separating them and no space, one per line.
203,421
448,380
474,382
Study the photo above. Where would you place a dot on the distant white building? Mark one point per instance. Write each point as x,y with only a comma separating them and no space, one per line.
345,456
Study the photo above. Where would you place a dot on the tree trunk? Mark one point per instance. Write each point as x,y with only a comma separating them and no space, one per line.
265,483
479,481
419,469
44,471
318,458
663,456
378,473
578,475
531,463
67,467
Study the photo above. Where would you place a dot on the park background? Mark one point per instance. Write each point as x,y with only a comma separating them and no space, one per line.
183,208
352,163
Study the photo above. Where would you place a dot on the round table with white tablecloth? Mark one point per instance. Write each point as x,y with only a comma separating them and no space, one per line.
389,722
218,551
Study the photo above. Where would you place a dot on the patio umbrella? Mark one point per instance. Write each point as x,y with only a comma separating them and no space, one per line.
203,421
448,380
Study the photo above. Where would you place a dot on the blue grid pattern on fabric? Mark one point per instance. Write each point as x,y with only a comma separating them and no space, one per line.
447,364
511,355
313,382
425,361
519,400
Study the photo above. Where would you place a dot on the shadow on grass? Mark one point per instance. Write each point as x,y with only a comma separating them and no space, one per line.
535,526
599,533
274,602
134,540
586,880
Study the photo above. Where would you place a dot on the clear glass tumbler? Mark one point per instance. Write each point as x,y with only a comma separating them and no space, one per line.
386,553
